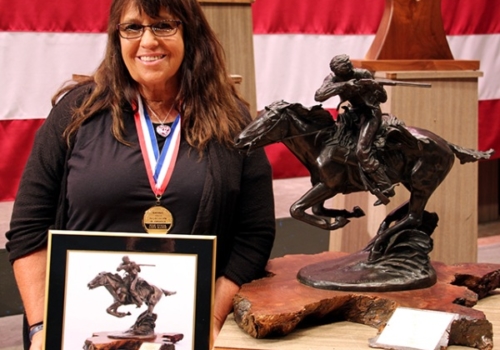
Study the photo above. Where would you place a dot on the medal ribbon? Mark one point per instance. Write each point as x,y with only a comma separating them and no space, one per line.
159,165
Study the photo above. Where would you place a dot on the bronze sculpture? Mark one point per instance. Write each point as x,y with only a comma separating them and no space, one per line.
397,258
132,269
358,87
131,289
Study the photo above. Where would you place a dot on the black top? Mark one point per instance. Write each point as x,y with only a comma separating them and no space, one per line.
236,201
110,191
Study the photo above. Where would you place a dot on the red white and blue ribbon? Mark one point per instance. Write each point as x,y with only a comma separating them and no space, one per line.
159,164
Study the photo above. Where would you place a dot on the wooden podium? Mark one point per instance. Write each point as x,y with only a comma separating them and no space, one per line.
232,22
411,45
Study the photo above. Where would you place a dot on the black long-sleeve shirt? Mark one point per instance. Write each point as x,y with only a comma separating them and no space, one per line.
101,185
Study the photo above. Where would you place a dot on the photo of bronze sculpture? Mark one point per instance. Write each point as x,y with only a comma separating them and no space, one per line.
363,150
131,289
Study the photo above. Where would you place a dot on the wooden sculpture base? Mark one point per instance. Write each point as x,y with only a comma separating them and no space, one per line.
275,305
109,341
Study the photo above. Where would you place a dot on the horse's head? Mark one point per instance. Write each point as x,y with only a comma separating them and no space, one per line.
99,280
270,126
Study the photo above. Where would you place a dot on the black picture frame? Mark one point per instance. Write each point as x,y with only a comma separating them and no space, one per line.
184,264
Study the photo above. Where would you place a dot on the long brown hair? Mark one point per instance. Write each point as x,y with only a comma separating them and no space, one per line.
207,99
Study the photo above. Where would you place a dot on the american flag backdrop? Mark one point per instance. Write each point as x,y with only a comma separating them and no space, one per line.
43,43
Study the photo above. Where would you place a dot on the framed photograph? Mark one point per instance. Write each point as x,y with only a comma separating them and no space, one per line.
129,291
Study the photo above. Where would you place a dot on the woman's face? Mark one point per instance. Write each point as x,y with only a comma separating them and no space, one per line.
153,62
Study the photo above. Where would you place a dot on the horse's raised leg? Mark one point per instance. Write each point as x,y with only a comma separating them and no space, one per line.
316,196
319,209
113,310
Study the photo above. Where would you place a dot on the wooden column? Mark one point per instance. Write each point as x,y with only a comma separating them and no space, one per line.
232,22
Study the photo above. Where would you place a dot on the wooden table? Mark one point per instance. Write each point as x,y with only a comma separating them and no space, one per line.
338,335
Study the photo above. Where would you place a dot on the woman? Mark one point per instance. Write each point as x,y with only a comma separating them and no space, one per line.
91,168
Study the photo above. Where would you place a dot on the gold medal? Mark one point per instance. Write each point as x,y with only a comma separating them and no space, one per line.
159,166
157,219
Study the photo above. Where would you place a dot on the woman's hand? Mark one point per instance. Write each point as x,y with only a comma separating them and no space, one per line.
225,290
30,273
37,341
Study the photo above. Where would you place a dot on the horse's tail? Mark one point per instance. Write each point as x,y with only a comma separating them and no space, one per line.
467,155
167,292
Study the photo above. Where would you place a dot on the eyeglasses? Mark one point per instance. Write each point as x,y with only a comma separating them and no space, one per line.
161,29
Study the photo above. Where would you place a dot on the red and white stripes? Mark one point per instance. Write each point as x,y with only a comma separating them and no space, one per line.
43,43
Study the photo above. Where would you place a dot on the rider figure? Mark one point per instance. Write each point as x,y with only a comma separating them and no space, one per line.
132,269
358,87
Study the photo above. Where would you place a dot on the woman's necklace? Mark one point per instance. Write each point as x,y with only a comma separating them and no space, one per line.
162,129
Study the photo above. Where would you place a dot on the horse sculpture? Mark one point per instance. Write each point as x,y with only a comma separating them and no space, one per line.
115,285
414,157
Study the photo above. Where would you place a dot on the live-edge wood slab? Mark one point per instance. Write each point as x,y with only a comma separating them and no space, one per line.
276,305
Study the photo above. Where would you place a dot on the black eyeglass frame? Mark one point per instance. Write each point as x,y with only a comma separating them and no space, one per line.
154,29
